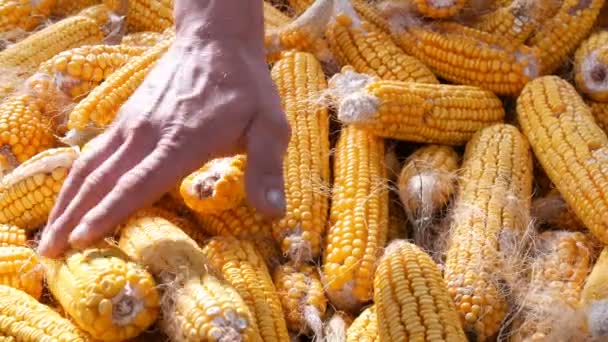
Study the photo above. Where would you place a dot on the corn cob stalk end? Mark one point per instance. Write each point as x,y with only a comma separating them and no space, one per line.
353,104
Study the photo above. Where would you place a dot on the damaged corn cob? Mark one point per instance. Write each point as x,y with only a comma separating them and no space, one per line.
24,319
106,294
553,211
408,280
218,186
494,197
28,193
364,328
430,113
358,219
199,306
20,268
439,8
303,298
558,272
368,48
300,80
591,66
244,268
570,146
23,14
595,297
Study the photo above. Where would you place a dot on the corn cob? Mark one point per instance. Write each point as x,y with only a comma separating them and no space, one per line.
364,327
369,48
143,39
107,295
12,236
144,15
569,146
23,14
200,307
429,113
559,36
397,219
469,57
27,320
439,8
300,79
20,60
557,277
20,268
244,268
64,8
409,279
426,184
217,186
273,18
242,222
552,210
494,196
591,66
100,107
358,219
594,296
28,193
299,6
303,298
599,110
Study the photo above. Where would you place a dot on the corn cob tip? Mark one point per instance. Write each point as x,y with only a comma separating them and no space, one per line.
354,105
79,137
594,74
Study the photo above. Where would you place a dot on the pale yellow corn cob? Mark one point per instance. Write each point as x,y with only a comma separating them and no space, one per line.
364,327
494,197
23,14
28,193
21,269
144,39
591,66
429,113
11,235
570,146
106,294
358,219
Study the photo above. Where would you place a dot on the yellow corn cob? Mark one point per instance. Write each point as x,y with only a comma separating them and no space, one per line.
244,268
408,280
358,219
20,268
25,130
558,274
469,57
100,107
599,110
552,210
79,70
569,146
274,18
302,297
426,184
27,320
241,222
430,113
494,196
367,47
559,36
217,186
594,296
23,14
144,15
200,307
144,39
106,294
439,8
28,193
20,60
104,17
66,8
364,328
300,79
299,6
184,223
591,66
12,236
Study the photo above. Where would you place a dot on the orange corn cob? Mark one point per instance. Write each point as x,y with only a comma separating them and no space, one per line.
591,66
242,222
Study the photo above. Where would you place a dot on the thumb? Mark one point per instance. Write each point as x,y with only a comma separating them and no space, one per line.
267,141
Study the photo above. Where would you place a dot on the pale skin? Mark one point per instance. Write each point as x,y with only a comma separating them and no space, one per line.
211,95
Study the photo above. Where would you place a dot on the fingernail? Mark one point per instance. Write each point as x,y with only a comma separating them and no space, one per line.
276,198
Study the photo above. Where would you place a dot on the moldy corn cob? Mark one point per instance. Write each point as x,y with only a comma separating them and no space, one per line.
591,66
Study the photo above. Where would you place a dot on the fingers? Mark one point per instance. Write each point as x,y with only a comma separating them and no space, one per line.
137,188
267,141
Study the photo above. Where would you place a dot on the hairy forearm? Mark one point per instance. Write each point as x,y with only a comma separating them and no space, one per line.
220,19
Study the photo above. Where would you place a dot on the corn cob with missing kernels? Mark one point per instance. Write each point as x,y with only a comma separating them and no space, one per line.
27,320
429,113
558,272
591,66
301,82
355,39
552,210
244,268
364,328
23,14
494,198
28,193
409,279
198,305
573,152
106,294
358,219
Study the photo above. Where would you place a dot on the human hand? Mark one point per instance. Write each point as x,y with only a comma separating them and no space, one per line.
203,100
